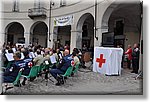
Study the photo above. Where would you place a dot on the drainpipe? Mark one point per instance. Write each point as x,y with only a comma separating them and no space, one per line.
95,19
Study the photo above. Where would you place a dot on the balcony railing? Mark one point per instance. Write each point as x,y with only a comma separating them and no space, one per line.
37,12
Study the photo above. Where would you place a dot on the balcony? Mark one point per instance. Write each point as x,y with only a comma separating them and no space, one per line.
37,13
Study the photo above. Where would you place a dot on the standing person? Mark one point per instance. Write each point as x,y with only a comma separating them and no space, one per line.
129,56
84,49
135,59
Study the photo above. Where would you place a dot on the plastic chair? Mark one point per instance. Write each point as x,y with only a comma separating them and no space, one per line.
76,68
33,72
67,73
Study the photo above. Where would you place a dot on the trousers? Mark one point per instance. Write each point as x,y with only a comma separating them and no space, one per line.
56,71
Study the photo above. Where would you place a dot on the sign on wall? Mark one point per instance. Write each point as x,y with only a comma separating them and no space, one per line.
63,21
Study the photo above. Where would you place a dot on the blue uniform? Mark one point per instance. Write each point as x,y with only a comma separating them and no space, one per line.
11,73
29,64
66,62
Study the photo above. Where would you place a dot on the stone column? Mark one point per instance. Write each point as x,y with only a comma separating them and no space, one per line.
53,38
2,40
27,38
76,40
99,32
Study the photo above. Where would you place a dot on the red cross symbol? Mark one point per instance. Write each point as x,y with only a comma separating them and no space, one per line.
30,64
72,63
100,60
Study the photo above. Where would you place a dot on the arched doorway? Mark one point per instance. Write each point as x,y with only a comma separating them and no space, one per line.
85,27
123,21
39,33
14,33
63,36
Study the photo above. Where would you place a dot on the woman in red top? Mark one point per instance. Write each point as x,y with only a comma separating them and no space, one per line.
129,56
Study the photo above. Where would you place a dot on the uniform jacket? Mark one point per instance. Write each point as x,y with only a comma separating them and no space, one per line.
14,69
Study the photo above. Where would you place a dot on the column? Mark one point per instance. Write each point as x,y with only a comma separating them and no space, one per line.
27,39
2,40
53,39
99,32
76,40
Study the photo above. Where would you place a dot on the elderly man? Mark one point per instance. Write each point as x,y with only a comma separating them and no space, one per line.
11,73
62,67
135,58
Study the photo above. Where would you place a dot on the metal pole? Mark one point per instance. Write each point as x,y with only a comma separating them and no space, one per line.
50,19
95,19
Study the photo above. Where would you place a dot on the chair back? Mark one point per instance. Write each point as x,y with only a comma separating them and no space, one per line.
76,68
69,71
33,71
16,82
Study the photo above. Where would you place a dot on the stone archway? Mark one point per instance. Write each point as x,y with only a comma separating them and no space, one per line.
39,33
85,31
14,33
129,14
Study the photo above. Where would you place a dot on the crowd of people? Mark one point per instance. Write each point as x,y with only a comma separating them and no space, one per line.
27,57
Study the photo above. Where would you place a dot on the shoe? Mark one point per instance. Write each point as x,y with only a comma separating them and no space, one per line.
58,84
133,72
65,77
62,81
9,88
17,85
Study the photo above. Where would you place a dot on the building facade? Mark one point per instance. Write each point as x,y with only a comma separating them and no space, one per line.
52,23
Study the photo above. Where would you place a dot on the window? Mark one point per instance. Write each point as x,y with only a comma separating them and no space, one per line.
119,27
36,3
15,6
62,3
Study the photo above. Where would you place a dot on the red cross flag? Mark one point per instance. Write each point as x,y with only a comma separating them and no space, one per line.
107,60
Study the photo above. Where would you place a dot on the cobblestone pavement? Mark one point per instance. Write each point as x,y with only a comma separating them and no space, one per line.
85,82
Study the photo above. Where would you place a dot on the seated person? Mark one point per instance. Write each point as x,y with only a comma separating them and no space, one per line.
46,55
75,58
76,61
11,73
62,67
28,61
29,64
59,54
38,60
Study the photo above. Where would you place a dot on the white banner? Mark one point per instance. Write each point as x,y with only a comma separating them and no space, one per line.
107,60
63,21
